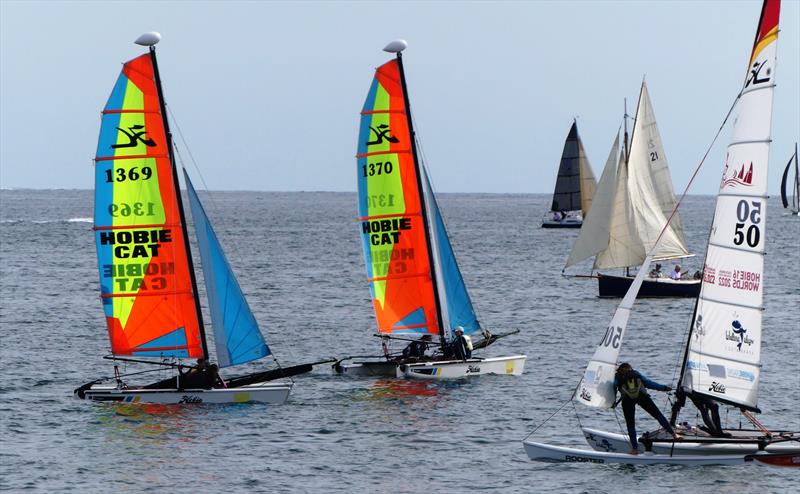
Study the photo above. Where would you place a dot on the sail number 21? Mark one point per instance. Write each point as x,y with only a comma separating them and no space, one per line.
748,211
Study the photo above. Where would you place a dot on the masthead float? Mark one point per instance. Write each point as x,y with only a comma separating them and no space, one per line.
416,285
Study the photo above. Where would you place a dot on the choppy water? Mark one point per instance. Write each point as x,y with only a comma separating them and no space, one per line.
299,261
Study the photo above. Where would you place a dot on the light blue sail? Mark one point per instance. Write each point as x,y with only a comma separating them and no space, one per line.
236,335
454,297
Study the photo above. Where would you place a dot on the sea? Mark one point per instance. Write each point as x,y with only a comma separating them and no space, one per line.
298,258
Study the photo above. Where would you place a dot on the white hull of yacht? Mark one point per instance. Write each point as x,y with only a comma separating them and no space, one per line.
453,369
613,442
558,454
271,393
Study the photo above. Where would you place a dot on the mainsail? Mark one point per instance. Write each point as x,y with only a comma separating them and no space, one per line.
795,184
236,335
723,359
636,206
575,183
391,212
146,278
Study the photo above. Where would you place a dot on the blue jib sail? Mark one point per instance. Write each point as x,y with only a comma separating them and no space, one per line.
459,310
236,334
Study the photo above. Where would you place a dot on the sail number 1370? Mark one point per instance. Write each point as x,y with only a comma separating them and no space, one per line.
377,168
748,211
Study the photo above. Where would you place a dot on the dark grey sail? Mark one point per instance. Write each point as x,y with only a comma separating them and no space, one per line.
575,184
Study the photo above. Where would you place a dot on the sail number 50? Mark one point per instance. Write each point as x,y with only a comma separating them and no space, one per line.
748,211
612,336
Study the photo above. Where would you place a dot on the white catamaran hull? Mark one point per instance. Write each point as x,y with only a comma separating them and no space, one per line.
274,394
612,442
548,453
450,369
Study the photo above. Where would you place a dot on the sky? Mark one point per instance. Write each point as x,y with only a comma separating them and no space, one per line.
267,94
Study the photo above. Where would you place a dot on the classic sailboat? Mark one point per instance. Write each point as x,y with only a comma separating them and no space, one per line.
794,204
722,359
634,198
575,185
416,285
147,279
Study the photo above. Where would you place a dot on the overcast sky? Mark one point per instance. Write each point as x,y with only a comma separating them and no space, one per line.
268,93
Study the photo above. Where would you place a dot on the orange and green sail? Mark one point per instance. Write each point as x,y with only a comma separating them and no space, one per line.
391,216
146,278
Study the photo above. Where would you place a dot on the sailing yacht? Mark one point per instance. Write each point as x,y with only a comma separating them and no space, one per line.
792,205
416,285
575,185
634,198
147,279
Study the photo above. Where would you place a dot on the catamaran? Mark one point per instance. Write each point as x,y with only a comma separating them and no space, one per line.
575,185
794,204
633,200
416,285
722,357
147,280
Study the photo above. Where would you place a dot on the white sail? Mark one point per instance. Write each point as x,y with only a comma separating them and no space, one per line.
724,357
588,182
596,389
625,248
650,186
593,236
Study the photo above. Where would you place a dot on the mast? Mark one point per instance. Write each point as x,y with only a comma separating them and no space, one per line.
178,198
423,205
625,123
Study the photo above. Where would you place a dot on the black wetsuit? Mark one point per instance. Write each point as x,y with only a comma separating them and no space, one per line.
708,409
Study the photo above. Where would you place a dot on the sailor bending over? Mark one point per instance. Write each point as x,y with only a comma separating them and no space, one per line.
632,386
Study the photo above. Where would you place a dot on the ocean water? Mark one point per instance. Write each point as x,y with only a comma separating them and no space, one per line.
299,261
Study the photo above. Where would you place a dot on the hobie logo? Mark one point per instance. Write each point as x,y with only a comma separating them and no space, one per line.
135,134
473,369
382,132
744,176
756,76
190,399
586,395
717,387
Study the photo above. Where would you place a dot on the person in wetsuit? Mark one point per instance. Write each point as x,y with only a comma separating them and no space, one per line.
417,349
204,375
632,386
462,345
708,409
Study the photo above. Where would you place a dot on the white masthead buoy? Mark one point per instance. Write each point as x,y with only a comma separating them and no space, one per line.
148,39
396,46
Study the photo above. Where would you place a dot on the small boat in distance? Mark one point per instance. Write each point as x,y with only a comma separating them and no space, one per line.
794,204
415,282
147,280
634,198
575,185
722,357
